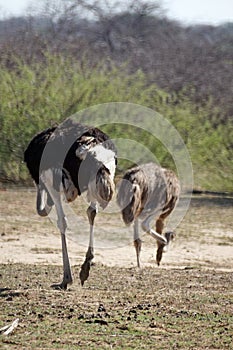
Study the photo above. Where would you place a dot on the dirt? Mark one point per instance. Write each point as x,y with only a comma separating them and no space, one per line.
204,237
186,303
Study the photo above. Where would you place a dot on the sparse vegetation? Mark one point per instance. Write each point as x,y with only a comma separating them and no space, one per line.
185,303
120,308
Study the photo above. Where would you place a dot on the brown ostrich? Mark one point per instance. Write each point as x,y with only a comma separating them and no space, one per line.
148,193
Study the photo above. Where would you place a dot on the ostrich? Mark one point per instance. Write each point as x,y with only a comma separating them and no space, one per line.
148,192
72,158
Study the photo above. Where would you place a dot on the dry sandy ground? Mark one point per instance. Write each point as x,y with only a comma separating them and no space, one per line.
204,237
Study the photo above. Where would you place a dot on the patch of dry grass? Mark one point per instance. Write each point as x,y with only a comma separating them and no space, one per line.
118,308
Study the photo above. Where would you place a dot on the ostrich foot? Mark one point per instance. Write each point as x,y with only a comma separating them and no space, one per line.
85,268
162,248
63,285
84,273
159,253
59,286
138,246
170,236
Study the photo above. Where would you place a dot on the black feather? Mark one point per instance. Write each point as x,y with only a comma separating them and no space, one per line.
60,144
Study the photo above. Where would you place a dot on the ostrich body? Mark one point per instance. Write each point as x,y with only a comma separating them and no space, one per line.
146,193
72,158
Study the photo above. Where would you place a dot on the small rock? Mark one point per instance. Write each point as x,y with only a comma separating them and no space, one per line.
102,322
101,308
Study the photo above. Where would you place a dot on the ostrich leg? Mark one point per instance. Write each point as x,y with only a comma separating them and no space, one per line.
47,178
161,245
146,227
159,228
137,241
162,248
85,268
43,202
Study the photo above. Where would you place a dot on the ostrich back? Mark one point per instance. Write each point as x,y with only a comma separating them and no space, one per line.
147,189
56,148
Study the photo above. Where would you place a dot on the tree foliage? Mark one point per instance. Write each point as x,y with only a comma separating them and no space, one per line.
65,56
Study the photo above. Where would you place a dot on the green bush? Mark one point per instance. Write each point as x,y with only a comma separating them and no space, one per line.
37,96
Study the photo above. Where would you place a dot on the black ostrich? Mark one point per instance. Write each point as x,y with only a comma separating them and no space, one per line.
72,158
148,193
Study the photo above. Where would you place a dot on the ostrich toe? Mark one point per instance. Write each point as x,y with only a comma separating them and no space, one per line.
59,286
67,279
